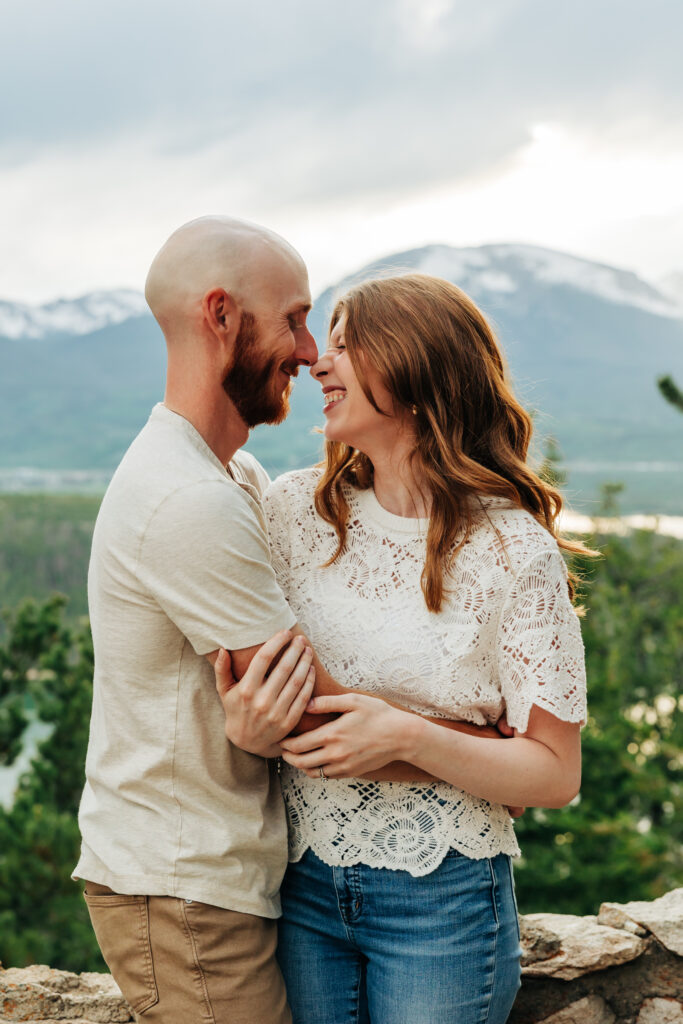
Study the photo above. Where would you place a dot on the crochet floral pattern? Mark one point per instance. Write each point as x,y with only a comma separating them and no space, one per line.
506,639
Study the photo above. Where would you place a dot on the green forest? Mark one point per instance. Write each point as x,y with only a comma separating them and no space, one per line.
621,839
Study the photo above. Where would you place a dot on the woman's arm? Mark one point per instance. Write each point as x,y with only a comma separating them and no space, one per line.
542,768
397,770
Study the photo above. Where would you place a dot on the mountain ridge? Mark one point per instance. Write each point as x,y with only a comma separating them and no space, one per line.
91,311
584,343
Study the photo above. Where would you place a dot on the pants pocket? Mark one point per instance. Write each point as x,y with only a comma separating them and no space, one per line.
121,925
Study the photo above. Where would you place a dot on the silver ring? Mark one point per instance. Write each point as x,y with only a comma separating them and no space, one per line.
322,774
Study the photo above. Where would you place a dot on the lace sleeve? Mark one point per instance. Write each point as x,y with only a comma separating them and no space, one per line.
539,648
278,520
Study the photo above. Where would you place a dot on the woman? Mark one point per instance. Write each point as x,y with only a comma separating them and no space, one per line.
422,561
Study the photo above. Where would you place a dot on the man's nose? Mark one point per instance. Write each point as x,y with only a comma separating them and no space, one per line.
306,349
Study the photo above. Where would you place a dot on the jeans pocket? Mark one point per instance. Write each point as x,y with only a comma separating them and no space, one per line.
495,890
121,925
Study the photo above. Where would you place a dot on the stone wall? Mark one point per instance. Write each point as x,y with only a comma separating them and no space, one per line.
624,966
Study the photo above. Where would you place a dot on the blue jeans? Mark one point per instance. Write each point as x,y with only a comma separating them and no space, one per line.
361,945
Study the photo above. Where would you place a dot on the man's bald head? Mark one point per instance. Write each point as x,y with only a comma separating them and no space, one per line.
210,253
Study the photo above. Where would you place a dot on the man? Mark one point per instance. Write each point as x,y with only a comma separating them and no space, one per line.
184,837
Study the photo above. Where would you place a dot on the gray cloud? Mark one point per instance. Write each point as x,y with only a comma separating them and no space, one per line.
315,100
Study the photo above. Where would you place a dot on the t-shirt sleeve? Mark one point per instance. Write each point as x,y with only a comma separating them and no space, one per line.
278,520
540,653
205,559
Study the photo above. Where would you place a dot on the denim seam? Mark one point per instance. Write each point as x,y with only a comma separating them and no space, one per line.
486,1010
342,916
514,898
358,988
356,890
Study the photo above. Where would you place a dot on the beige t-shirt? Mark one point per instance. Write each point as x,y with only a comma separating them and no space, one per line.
180,565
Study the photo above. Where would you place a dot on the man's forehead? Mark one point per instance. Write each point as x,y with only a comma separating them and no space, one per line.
285,288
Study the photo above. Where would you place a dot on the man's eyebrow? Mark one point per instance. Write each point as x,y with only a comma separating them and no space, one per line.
305,307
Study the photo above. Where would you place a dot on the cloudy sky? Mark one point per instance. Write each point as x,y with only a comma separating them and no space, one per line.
356,129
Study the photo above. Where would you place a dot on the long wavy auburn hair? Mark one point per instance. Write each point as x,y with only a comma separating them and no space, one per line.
435,353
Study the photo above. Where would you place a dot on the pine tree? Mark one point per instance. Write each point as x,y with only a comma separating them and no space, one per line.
671,391
42,915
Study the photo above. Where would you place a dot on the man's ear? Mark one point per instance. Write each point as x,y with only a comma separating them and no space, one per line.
222,314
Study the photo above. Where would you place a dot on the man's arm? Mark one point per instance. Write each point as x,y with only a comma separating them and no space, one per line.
249,708
327,686
271,695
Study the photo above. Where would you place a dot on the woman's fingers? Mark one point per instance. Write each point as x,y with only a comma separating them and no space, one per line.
338,702
223,670
307,762
253,678
312,740
297,701
293,665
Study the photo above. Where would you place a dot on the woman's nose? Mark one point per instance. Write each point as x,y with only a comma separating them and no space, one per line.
319,369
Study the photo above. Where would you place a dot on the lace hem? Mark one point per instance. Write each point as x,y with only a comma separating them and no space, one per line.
391,825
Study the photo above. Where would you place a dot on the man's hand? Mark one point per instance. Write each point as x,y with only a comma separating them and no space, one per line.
265,705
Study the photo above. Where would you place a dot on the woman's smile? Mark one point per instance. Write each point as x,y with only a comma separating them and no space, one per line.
332,396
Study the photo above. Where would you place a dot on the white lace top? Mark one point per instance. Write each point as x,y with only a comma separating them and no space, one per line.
506,638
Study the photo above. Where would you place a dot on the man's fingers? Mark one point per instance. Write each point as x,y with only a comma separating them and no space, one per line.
516,812
503,728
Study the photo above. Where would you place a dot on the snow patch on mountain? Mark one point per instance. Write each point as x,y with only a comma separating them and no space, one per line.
502,269
611,283
509,268
70,316
671,285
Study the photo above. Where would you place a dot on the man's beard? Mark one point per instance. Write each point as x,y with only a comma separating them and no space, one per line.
253,382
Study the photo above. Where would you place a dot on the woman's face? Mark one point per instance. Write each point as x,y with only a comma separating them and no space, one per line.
349,416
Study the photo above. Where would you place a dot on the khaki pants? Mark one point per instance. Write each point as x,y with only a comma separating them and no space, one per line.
181,962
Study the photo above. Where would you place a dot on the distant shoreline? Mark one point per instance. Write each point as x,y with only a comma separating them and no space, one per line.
578,516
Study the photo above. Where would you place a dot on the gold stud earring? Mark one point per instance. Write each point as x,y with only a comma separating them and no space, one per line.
413,409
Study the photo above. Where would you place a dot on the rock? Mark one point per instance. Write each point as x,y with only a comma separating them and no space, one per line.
612,916
565,946
42,994
661,1011
663,917
591,1010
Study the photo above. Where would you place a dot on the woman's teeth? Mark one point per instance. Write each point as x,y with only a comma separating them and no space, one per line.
334,396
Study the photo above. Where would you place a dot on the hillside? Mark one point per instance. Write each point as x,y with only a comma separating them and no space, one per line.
585,343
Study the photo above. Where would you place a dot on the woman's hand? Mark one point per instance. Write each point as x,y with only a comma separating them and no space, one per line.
365,737
267,702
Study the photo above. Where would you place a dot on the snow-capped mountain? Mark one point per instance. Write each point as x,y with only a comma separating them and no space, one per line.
509,268
70,316
585,343
486,270
672,286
